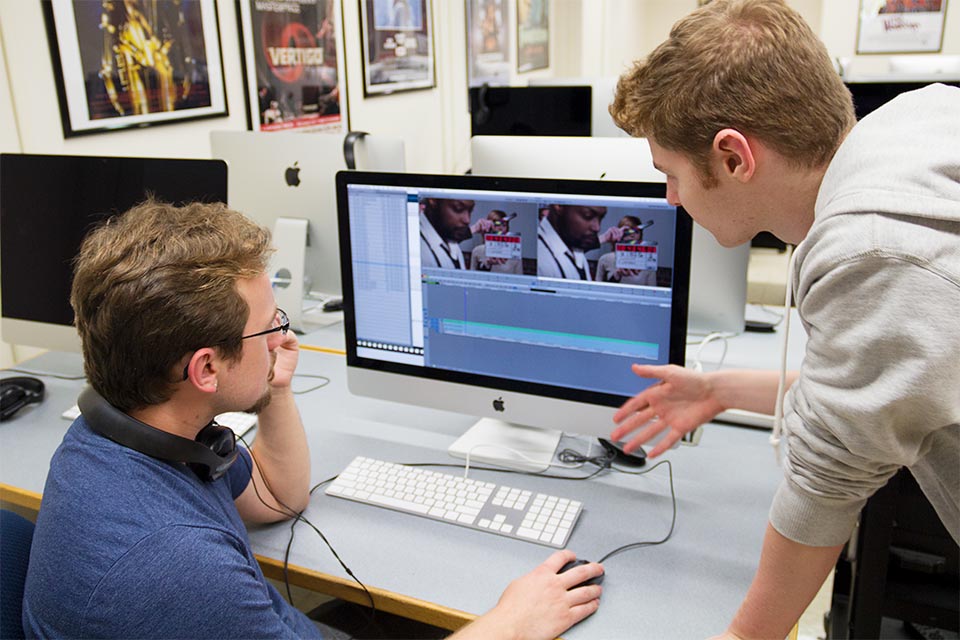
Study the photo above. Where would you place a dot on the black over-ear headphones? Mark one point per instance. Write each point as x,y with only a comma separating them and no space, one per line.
349,141
16,393
209,456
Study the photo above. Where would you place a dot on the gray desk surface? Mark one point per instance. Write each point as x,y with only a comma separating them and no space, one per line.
688,587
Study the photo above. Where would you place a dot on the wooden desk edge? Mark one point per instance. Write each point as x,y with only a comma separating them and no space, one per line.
349,590
330,585
20,497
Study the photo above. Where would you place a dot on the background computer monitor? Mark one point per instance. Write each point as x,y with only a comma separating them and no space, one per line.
543,354
871,94
47,205
602,91
530,111
718,275
291,175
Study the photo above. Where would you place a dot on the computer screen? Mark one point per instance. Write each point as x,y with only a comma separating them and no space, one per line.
530,111
47,205
871,94
291,175
526,345
603,89
718,275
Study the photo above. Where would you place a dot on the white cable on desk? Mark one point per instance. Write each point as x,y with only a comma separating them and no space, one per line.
712,337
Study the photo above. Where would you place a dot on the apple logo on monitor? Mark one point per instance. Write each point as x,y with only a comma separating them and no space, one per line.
292,175
498,404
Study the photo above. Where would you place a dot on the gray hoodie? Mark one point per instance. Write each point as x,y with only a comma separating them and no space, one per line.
877,281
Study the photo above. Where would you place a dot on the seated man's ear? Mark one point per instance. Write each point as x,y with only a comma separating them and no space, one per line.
202,369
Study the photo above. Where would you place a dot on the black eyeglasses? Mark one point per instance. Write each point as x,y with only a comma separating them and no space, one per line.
281,323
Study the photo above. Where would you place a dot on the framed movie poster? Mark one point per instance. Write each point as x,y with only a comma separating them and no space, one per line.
488,46
533,35
293,65
397,45
121,65
901,26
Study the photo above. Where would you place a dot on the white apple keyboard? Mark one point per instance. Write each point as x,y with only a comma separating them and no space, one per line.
515,513
240,422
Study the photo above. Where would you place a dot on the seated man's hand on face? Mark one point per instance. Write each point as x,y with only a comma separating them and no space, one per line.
285,364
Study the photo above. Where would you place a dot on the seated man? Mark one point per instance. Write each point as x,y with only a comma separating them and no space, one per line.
141,530
607,269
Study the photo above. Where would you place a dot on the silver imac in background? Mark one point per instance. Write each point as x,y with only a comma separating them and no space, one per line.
532,355
285,181
48,203
718,276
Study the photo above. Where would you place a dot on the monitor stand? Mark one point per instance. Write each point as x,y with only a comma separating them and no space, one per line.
287,267
507,445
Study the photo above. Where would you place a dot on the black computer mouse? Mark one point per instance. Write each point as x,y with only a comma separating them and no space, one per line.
636,458
577,563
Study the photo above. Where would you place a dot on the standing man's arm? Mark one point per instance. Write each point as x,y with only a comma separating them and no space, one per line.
789,576
281,473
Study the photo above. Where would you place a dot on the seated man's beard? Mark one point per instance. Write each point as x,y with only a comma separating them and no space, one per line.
459,234
260,404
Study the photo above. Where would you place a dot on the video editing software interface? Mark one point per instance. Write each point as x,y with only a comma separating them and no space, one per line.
496,304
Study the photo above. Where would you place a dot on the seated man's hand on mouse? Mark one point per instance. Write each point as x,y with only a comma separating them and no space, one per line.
541,604
573,564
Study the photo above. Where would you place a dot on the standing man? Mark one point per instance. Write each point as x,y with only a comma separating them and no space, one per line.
755,132
141,530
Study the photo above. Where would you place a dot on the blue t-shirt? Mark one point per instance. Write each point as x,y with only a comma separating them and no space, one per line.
128,546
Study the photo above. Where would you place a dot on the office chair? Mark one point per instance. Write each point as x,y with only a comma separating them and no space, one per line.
16,533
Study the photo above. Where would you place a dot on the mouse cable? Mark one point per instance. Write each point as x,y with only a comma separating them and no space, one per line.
673,519
324,382
298,517
571,456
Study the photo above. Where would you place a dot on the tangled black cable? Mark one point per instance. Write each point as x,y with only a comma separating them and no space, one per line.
297,516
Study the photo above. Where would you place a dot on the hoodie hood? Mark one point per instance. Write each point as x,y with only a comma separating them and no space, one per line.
896,161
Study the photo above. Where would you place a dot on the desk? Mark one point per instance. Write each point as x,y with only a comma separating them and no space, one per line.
440,573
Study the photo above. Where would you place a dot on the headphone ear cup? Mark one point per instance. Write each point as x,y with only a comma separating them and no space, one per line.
221,440
18,392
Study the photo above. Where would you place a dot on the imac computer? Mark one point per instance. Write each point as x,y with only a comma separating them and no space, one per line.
530,111
47,205
718,275
285,181
531,351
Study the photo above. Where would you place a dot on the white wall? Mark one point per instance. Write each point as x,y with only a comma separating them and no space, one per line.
838,30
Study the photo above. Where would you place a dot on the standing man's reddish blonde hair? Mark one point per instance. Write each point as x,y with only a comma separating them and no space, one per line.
750,65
